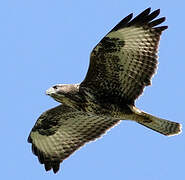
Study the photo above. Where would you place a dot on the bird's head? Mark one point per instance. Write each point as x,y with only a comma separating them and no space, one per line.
63,92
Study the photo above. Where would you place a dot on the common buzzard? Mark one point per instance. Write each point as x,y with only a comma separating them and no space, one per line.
121,65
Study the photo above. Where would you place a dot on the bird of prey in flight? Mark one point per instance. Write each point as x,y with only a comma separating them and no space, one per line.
121,65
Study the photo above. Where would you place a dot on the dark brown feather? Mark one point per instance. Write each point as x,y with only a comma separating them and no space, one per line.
125,60
74,129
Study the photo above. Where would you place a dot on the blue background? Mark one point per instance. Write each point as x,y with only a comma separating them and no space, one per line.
46,42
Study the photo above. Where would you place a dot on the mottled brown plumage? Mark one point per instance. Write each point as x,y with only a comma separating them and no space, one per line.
124,61
121,65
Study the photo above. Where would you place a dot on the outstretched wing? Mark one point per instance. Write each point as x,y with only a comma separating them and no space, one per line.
124,61
60,131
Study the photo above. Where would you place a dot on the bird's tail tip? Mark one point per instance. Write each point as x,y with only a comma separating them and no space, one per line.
163,126
177,130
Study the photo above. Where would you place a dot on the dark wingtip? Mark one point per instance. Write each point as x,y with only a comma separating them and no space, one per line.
157,11
123,22
163,28
129,17
139,18
56,168
34,150
147,18
29,140
146,11
52,165
47,166
156,22
144,18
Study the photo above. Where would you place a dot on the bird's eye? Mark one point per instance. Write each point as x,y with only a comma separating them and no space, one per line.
55,87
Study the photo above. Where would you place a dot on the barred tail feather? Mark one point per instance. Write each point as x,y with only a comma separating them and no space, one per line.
162,126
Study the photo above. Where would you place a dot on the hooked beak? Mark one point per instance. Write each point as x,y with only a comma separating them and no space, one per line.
50,91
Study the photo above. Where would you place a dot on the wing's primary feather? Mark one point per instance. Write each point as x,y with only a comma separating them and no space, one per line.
124,61
60,131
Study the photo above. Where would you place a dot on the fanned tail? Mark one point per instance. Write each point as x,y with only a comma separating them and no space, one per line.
163,126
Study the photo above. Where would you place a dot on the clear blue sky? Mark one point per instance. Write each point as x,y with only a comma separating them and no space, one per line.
46,42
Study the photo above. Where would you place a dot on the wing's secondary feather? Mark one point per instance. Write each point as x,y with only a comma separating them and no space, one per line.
62,130
125,60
